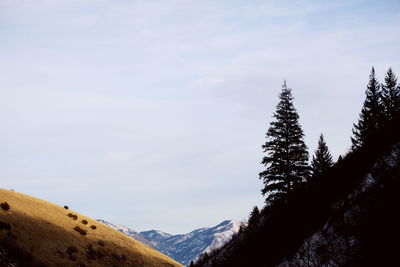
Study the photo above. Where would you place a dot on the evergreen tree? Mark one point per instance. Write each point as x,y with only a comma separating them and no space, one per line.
205,257
255,213
391,95
371,115
286,153
191,264
322,160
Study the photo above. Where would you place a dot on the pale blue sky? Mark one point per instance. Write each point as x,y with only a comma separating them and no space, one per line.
152,114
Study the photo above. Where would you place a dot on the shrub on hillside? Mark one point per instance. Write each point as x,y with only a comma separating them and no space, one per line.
93,254
101,243
119,257
93,227
84,222
71,250
5,226
5,206
66,207
73,216
80,230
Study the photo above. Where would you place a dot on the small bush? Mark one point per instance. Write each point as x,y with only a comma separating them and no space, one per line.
5,206
66,207
70,251
93,254
93,227
5,226
84,222
101,243
120,257
73,216
90,253
80,230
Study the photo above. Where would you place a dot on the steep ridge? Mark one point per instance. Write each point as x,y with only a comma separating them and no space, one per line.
34,232
359,222
348,217
184,247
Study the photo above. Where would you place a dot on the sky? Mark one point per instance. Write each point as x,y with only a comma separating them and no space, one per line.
151,114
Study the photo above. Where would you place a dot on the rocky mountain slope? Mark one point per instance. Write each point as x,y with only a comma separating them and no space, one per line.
34,232
184,247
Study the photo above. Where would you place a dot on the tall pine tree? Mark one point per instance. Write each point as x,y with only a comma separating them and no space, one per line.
391,95
322,160
286,153
371,115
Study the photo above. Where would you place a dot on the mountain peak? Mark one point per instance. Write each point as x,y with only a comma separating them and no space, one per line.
156,233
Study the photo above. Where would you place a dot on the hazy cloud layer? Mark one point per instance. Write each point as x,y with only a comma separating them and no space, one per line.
152,113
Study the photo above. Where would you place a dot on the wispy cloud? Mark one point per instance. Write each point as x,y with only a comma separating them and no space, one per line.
129,109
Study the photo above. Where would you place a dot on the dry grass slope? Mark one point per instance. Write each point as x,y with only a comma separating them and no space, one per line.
34,232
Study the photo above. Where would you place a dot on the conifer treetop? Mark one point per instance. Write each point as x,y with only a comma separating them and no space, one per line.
322,159
391,95
372,113
286,153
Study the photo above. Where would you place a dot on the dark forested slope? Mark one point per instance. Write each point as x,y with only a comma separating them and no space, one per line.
345,218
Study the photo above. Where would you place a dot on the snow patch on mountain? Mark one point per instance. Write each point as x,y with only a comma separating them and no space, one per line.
184,247
128,231
221,238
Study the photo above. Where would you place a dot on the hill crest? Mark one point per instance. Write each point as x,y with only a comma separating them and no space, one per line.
35,232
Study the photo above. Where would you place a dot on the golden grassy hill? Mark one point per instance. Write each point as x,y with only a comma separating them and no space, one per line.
34,232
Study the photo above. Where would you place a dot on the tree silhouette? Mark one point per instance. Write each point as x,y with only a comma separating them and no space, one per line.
255,213
371,115
391,95
287,156
322,159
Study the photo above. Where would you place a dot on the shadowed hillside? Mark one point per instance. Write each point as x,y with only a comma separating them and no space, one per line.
345,218
35,232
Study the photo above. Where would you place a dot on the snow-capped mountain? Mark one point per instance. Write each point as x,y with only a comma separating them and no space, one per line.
128,231
185,247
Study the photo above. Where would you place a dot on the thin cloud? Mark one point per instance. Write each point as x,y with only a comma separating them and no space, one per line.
125,110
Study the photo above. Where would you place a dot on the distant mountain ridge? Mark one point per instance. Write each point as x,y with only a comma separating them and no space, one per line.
184,247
